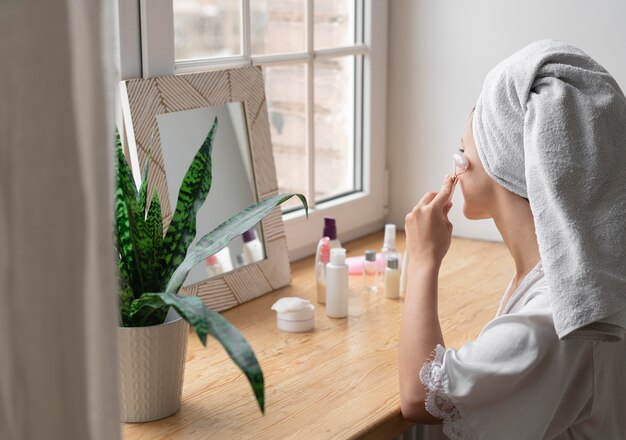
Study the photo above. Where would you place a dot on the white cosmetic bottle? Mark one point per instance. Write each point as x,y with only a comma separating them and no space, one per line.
252,247
392,279
337,284
224,258
403,274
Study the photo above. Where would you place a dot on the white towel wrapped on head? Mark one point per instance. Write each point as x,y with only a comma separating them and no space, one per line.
550,125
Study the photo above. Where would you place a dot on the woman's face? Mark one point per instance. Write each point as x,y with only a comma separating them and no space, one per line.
477,187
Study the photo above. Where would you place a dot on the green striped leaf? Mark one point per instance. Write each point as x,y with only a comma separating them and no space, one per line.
143,189
205,321
147,310
126,299
123,271
215,240
127,249
124,177
129,222
150,243
191,196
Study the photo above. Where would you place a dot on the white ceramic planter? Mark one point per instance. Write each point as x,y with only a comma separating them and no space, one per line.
152,366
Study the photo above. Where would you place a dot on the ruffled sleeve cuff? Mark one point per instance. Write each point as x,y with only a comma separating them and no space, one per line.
438,403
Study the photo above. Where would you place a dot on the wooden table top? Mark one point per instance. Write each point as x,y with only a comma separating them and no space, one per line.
340,381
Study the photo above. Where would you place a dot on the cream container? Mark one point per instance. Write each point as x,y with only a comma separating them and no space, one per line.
294,314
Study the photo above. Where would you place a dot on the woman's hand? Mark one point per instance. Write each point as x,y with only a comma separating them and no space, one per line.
427,228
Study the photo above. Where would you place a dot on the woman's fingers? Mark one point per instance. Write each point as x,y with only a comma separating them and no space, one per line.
428,197
441,198
444,194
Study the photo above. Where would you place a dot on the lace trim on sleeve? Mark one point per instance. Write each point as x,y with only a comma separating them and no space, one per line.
438,403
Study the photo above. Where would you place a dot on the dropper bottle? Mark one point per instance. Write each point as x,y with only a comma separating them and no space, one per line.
320,270
389,245
330,231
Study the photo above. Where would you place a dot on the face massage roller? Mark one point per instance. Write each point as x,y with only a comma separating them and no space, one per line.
459,160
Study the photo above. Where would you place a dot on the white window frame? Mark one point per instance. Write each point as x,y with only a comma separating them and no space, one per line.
147,50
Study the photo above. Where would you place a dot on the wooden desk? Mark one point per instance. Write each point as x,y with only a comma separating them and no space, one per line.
340,381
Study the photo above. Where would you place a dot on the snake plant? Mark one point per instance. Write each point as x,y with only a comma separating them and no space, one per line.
152,266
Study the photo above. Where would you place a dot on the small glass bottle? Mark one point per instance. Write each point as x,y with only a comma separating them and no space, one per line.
241,260
370,271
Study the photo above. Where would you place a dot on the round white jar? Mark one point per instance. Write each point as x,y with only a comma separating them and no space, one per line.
294,314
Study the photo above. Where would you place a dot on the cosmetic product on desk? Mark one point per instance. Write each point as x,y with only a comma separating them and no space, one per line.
240,261
252,247
330,231
224,258
403,274
337,284
392,278
370,271
320,270
355,264
389,244
213,267
294,314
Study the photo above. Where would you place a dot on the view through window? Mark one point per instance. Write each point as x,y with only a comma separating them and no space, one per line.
313,87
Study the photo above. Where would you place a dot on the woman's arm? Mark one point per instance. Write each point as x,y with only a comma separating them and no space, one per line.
420,332
428,238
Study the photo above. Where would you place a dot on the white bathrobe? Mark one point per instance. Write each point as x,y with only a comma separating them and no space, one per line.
517,380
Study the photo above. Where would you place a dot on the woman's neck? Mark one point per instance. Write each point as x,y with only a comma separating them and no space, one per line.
516,224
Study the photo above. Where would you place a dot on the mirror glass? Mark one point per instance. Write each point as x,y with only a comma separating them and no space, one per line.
232,188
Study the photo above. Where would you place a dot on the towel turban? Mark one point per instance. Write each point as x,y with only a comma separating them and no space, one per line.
550,125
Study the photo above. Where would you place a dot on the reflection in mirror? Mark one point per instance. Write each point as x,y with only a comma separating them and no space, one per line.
232,188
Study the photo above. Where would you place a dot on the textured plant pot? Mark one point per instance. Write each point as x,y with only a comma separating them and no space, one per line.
152,366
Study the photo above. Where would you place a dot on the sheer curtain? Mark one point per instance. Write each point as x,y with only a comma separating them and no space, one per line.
58,317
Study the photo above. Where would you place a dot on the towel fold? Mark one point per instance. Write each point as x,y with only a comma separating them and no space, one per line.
550,125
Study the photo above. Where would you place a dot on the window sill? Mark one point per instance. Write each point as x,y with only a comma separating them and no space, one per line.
356,215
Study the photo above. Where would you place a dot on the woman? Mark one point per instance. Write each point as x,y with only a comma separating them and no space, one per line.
552,363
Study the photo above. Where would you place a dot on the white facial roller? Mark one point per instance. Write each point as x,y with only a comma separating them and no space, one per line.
460,161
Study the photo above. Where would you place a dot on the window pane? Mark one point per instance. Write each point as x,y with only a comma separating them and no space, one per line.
334,23
277,26
207,28
285,88
334,126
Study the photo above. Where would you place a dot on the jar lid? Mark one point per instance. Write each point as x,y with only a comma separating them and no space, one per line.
293,308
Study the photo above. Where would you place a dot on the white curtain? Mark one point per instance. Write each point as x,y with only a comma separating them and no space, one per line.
58,317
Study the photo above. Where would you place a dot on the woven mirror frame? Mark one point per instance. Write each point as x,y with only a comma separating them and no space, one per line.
144,99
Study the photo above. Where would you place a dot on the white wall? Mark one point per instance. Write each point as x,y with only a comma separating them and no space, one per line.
439,54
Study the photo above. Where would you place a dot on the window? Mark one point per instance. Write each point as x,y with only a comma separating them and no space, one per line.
321,59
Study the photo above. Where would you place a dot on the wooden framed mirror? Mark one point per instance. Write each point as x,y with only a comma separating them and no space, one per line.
175,113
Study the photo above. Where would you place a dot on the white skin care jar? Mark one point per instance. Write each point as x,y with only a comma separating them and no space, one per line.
294,314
